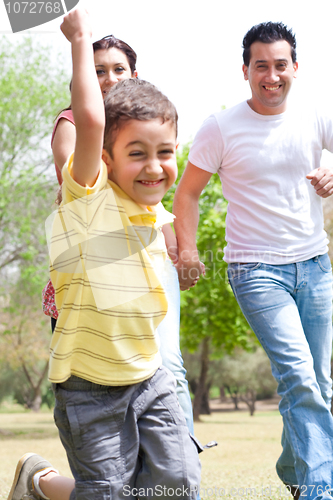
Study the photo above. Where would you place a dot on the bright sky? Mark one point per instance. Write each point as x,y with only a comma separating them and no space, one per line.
191,49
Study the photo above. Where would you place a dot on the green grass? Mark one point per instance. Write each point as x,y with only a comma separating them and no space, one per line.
242,466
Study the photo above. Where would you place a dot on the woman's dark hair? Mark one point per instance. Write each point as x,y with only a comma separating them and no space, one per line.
109,42
268,33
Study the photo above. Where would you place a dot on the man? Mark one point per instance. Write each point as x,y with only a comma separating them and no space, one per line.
268,158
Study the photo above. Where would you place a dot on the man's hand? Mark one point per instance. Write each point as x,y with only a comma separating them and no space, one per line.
76,23
186,210
322,180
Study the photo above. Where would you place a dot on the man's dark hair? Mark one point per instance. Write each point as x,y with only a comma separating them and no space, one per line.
134,99
268,33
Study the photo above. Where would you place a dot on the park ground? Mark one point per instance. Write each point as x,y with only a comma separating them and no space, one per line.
242,466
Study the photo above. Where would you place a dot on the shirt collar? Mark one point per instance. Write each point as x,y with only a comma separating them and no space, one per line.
156,212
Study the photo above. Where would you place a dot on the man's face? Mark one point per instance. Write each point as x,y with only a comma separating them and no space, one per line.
270,75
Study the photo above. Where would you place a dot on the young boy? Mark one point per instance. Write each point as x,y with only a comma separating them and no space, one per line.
116,408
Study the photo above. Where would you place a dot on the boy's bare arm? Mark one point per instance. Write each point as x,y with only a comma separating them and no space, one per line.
186,210
170,242
87,101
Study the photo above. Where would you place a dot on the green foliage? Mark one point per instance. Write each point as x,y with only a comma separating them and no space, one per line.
33,90
24,341
244,375
14,385
247,371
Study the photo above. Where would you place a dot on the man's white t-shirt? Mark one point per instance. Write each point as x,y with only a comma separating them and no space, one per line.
274,214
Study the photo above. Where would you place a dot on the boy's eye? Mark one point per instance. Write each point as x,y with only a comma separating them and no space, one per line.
136,153
167,152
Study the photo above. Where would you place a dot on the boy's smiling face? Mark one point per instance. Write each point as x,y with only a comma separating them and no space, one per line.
143,162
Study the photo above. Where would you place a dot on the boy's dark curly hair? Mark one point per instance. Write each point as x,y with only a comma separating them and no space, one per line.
135,99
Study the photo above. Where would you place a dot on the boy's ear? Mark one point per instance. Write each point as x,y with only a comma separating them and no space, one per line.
107,160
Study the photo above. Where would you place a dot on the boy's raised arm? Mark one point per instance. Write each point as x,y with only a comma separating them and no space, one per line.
87,101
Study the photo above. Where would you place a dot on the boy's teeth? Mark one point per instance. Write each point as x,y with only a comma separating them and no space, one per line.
271,88
149,182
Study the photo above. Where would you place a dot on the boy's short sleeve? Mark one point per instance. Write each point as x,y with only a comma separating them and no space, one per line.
206,150
72,190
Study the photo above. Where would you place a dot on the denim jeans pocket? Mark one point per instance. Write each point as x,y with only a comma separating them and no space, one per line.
237,270
324,263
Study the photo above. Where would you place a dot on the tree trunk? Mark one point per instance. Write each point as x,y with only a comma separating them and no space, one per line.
250,399
200,390
223,396
205,409
36,403
35,400
235,400
234,396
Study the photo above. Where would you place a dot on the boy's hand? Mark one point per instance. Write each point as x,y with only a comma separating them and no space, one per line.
189,282
203,272
87,101
76,24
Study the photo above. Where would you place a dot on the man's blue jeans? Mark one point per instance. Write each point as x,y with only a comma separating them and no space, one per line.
168,332
289,307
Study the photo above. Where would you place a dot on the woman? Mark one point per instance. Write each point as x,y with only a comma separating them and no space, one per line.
114,61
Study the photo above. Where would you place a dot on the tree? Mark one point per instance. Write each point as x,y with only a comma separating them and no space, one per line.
210,316
25,338
33,89
246,375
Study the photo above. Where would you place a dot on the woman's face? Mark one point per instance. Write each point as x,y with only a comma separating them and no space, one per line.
111,67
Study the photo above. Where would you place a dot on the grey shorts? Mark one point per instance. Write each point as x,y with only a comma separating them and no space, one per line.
127,442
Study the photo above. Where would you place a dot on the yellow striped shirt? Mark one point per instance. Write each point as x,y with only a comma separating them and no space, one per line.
106,254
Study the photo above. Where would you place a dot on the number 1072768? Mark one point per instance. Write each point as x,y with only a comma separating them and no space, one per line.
33,7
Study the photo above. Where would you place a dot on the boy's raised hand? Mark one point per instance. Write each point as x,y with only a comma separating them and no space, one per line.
76,23
87,102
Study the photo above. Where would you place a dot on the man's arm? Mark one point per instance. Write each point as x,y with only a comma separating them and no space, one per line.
87,101
186,210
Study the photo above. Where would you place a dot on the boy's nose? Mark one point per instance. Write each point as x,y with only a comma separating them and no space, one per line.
153,166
